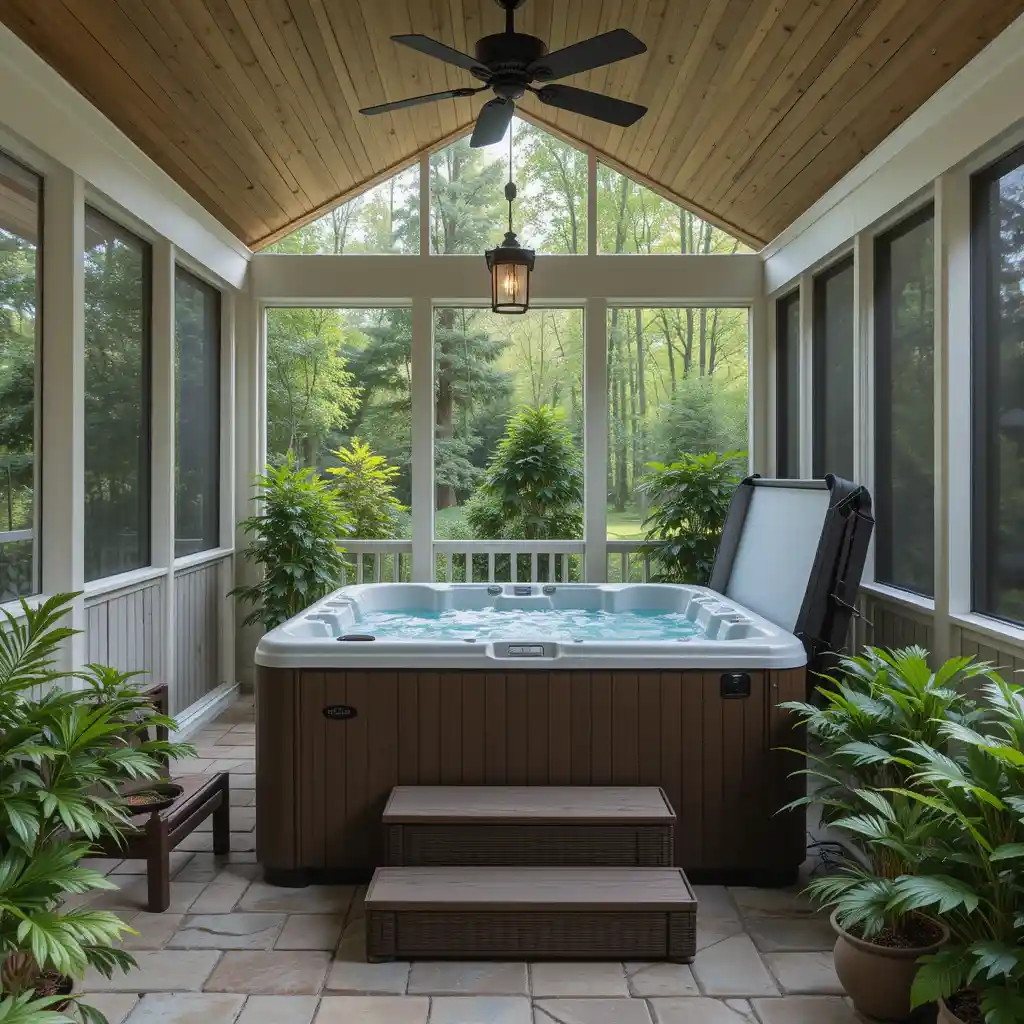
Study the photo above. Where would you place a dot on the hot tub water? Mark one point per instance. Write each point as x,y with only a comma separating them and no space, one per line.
519,624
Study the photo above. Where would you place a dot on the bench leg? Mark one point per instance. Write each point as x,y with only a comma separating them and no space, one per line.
158,866
222,825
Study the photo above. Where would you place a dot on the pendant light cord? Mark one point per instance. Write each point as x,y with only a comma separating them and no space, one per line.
510,181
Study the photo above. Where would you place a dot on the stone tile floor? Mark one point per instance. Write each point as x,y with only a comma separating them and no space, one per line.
233,950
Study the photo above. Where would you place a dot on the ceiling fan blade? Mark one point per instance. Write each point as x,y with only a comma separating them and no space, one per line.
432,48
591,104
413,101
596,52
491,125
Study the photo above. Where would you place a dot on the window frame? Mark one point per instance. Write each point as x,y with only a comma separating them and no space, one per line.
37,376
984,382
146,397
785,346
882,372
214,442
818,363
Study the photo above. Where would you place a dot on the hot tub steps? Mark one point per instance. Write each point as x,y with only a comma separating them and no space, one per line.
552,826
537,913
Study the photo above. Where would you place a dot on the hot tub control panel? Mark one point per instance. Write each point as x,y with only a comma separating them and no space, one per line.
525,651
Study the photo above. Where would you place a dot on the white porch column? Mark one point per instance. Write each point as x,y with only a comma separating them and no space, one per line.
226,526
162,385
422,441
761,386
952,404
62,522
864,371
595,440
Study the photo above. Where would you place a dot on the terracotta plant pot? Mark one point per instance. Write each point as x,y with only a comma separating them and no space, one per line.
947,1016
53,984
878,978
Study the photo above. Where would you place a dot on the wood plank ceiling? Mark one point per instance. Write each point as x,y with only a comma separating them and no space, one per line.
756,106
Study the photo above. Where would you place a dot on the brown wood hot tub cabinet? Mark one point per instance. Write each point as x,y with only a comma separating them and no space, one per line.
322,782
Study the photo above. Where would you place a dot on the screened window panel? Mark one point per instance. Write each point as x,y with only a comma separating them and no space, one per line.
833,371
787,384
20,276
117,398
998,380
196,414
904,405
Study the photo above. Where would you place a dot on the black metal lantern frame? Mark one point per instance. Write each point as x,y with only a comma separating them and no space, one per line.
510,264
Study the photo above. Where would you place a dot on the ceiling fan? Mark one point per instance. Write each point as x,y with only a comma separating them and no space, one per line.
509,62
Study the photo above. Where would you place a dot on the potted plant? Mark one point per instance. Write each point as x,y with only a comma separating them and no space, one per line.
64,754
876,706
295,543
979,798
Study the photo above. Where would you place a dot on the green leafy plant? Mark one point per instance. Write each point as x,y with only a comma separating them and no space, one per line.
295,543
64,754
533,488
689,500
977,796
366,484
871,711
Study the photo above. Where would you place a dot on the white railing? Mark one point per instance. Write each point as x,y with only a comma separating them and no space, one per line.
508,561
492,561
377,561
626,563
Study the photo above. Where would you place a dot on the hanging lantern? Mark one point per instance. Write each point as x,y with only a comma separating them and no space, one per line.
510,264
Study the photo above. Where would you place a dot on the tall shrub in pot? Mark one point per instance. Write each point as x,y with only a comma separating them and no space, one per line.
295,543
978,797
871,711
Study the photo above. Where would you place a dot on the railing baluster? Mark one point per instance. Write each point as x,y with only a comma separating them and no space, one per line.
359,567
469,566
647,568
534,578
490,566
514,567
552,568
451,565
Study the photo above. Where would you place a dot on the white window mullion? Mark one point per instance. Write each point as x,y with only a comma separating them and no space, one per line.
595,440
162,441
63,399
761,386
806,342
863,371
422,441
226,611
591,203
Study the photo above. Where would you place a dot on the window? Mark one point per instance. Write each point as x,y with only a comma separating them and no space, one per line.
338,398
384,219
997,272
505,385
117,399
633,219
677,384
196,415
20,274
904,405
833,371
787,386
468,209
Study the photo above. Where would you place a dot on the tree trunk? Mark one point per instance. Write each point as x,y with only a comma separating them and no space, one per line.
444,410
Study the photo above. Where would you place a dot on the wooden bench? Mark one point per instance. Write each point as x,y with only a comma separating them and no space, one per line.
159,832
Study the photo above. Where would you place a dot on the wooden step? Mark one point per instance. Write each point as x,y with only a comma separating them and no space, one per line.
532,913
570,826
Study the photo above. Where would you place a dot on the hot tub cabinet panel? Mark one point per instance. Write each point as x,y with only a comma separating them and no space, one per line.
333,743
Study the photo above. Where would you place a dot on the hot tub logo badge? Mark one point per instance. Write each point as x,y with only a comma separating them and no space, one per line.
340,712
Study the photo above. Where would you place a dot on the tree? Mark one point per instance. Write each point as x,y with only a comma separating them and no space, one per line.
366,485
553,180
534,484
309,390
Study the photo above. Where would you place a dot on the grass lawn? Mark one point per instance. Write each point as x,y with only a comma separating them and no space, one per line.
624,525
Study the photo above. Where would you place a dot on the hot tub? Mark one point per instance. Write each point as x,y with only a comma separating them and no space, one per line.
510,684
566,684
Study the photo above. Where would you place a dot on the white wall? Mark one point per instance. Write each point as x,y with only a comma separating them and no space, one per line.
974,119
132,620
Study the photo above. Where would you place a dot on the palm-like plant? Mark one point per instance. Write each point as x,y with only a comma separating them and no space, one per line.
64,752
978,797
876,706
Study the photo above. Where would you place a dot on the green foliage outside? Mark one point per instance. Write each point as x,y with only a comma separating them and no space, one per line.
689,500
533,488
926,785
64,757
677,377
366,486
295,543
